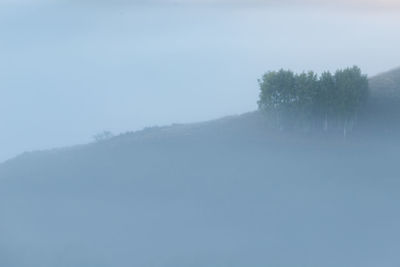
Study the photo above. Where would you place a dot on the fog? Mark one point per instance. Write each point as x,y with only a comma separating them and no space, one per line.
197,174
69,69
224,193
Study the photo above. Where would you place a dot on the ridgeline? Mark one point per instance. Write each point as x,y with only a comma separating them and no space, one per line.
230,192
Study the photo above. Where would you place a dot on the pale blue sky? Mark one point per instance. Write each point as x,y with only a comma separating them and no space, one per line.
69,70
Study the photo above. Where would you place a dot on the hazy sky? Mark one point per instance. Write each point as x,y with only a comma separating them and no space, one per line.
69,69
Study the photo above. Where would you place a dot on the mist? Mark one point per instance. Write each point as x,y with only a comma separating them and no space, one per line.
199,133
69,70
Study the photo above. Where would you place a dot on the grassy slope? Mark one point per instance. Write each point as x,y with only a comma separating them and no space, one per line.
224,193
383,114
386,84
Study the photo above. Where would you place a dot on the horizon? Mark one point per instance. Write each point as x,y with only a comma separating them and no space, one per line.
132,66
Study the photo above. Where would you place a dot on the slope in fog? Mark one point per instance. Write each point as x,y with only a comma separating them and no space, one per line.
230,192
70,69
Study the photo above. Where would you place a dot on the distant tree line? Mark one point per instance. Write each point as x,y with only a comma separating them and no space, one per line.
309,101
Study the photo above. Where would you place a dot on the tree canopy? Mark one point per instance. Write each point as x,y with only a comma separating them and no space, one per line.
311,101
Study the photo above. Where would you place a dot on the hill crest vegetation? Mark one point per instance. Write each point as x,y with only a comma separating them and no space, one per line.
308,101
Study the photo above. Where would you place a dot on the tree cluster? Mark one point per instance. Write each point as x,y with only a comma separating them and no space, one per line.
310,101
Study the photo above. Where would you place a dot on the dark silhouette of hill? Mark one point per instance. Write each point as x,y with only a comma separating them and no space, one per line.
230,192
386,84
383,111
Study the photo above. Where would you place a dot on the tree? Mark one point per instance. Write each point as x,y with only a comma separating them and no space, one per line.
326,97
306,100
277,94
352,88
103,136
306,90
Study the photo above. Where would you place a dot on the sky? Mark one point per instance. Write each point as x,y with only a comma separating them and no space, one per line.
71,69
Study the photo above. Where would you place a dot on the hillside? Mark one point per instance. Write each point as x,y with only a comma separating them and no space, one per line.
383,111
386,84
229,192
